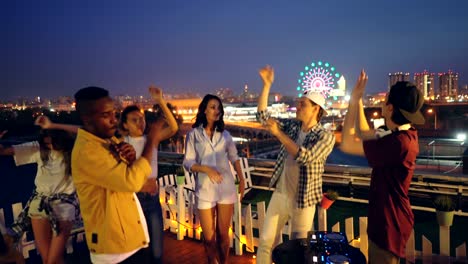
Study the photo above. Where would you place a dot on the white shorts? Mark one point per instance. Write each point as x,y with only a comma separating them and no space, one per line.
62,211
203,204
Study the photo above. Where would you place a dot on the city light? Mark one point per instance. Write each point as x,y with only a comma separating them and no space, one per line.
461,136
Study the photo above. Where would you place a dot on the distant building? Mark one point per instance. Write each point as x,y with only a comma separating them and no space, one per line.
425,83
448,85
397,77
224,93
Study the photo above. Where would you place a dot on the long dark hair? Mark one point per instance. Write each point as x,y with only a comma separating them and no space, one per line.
201,117
61,141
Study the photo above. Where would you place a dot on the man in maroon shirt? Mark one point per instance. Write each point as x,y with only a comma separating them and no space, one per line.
391,152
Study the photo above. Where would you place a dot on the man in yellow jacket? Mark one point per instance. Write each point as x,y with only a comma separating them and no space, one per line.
106,176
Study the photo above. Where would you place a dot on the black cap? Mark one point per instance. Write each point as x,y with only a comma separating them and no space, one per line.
407,98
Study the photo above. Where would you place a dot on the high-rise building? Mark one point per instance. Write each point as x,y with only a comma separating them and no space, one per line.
448,85
425,83
397,77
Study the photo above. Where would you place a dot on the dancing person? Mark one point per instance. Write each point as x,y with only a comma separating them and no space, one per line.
391,153
208,150
107,174
133,124
52,208
305,146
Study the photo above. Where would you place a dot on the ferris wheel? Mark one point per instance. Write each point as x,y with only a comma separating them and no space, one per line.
318,76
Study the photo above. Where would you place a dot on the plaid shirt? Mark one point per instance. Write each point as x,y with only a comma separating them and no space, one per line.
311,158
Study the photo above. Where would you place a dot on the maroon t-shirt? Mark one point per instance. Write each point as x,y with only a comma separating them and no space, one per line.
390,218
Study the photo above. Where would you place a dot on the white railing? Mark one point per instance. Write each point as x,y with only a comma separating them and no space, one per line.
179,212
185,223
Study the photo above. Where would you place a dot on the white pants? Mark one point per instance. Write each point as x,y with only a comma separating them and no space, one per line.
281,209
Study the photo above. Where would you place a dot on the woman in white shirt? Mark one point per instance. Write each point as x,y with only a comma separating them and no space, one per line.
133,124
208,151
53,205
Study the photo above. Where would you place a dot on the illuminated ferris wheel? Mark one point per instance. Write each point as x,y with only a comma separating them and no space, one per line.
318,76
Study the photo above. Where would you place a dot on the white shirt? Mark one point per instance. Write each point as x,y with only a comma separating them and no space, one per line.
138,144
216,153
50,177
289,180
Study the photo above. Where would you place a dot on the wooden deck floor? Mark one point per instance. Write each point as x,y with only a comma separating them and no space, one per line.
192,251
187,251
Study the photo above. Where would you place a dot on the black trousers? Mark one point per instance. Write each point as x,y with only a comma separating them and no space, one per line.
142,256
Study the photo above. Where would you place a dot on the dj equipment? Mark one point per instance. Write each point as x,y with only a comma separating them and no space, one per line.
328,247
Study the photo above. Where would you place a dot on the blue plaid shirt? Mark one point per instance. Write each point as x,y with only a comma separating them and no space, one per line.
311,158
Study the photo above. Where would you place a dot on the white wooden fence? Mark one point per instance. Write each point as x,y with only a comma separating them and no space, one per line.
179,213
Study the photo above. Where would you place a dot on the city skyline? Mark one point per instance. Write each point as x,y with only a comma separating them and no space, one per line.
53,48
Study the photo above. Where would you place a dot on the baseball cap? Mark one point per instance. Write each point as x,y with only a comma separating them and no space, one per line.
407,98
316,97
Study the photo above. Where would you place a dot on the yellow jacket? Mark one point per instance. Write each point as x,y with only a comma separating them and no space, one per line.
105,188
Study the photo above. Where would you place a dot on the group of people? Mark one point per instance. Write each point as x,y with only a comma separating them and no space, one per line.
115,178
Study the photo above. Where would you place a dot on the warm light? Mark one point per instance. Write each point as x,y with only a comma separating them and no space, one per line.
461,136
430,110
375,114
243,240
254,256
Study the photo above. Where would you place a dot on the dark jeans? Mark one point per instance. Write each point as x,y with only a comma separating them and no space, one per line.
140,257
153,214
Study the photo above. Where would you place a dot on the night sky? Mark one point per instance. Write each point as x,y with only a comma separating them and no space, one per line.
51,48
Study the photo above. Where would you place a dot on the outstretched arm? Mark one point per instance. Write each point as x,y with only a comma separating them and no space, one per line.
45,123
172,126
355,122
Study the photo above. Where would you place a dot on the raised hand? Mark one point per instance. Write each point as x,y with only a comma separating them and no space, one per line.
360,87
268,74
156,93
43,121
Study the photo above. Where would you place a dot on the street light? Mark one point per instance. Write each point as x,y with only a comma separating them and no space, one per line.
433,111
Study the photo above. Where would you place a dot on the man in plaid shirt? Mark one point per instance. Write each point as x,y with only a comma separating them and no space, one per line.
298,169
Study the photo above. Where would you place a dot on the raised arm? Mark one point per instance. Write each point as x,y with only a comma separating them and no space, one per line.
172,127
45,123
268,76
355,123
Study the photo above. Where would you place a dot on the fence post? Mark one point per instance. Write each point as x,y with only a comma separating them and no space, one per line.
349,230
322,218
444,238
249,228
460,251
364,242
180,212
410,249
238,226
426,247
